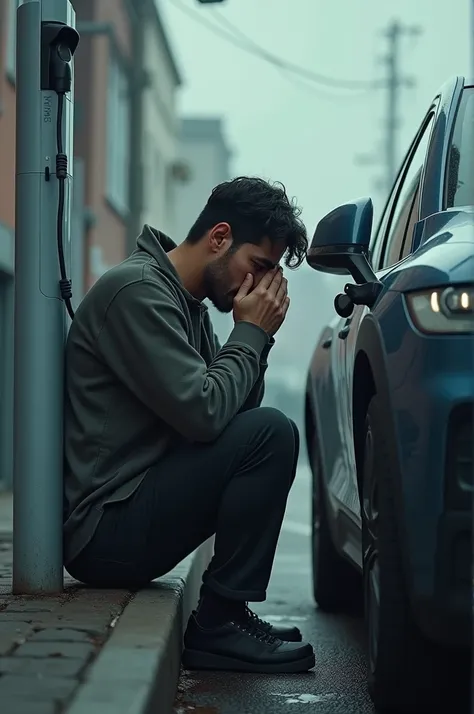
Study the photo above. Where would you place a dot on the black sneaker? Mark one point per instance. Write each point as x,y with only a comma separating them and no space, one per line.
243,647
287,634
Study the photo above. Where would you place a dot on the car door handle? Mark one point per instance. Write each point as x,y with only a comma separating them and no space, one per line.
327,343
342,334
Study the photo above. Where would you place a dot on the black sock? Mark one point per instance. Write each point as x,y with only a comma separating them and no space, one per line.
214,610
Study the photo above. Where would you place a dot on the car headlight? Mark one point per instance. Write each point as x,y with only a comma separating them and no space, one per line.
443,310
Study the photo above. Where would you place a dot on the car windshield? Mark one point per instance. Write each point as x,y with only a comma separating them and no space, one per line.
460,176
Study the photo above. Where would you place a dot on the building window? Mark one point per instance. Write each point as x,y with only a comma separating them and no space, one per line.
118,137
12,7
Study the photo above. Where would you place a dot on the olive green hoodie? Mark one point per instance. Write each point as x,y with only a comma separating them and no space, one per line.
144,370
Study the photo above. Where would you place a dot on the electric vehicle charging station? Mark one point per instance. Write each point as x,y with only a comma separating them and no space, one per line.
46,42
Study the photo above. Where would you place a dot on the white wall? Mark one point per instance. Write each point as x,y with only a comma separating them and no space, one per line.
205,165
160,131
204,150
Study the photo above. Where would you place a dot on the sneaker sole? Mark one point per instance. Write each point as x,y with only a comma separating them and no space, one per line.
196,660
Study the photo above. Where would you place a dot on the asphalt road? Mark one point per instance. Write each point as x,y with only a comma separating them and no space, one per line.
335,686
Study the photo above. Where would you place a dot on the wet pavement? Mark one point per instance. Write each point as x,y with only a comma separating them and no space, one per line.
335,686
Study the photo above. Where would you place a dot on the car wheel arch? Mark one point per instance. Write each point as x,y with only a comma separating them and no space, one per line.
363,390
369,378
310,426
312,434
370,356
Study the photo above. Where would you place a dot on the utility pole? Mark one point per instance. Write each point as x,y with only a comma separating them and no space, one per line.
393,83
393,88
46,42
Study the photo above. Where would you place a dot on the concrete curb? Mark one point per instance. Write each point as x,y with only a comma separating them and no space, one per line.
138,669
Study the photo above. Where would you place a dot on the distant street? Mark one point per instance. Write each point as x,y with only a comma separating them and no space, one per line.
336,686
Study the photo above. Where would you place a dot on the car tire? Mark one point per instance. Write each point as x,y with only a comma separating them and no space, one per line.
337,586
404,667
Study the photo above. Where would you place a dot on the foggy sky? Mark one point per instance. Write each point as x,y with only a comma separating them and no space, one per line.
293,131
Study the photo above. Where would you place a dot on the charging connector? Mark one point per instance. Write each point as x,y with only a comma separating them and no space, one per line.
65,284
58,44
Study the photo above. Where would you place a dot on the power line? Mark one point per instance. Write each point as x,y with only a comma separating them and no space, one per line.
239,39
296,80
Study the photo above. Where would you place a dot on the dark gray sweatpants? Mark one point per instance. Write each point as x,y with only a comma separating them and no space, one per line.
235,487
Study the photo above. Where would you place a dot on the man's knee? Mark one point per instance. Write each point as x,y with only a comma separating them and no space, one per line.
271,437
273,422
282,424
274,417
296,434
296,431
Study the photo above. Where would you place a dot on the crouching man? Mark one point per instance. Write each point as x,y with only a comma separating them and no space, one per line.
165,440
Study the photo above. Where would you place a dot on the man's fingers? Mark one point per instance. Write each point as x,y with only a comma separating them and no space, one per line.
244,288
282,291
286,305
276,282
267,279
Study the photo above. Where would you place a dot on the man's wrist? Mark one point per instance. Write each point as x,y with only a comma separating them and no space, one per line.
250,334
266,350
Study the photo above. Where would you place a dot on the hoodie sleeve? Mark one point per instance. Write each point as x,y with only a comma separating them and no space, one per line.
144,340
257,392
255,397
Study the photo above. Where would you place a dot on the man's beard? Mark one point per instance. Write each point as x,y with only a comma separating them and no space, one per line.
216,284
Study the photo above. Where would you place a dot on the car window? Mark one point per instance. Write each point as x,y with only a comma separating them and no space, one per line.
412,219
460,174
404,201
407,209
376,242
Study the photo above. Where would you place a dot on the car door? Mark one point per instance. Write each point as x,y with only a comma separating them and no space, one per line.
327,393
339,485
391,244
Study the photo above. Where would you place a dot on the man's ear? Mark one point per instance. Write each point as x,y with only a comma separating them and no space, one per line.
220,237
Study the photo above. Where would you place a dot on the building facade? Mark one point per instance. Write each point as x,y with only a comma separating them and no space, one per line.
126,125
8,10
103,66
205,154
161,167
117,100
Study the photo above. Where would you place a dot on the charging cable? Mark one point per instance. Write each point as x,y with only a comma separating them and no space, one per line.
58,44
65,284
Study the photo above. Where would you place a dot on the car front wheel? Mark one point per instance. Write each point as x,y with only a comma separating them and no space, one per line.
405,669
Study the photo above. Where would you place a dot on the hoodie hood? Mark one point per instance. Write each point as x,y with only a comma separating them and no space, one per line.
157,245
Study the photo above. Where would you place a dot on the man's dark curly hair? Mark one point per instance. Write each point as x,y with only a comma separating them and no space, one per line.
255,209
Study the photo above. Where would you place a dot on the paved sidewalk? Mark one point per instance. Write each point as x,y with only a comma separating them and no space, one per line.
90,651
6,512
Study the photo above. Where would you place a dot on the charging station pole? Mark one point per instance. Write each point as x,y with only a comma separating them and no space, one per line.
46,40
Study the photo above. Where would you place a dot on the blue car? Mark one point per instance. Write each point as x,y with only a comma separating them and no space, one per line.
389,416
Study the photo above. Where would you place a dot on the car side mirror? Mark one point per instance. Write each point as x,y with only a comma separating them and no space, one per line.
340,246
